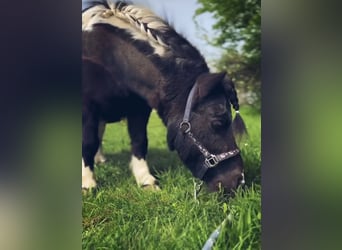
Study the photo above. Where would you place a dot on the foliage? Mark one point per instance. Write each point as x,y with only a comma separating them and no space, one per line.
121,215
239,34
237,20
246,76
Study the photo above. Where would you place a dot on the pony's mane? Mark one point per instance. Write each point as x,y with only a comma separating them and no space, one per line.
144,20
144,25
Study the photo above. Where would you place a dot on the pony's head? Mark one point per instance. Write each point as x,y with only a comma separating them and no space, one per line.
204,136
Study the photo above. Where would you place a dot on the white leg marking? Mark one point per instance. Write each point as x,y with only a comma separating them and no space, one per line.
88,179
142,173
99,157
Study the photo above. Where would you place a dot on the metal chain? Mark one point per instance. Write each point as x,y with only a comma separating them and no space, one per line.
201,148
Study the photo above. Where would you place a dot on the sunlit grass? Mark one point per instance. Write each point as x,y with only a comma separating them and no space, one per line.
122,216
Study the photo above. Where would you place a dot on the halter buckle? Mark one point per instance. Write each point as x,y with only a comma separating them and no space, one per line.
185,126
211,161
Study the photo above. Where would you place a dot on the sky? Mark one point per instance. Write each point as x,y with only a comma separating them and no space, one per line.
179,13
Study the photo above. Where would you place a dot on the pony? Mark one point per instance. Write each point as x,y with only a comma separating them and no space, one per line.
133,62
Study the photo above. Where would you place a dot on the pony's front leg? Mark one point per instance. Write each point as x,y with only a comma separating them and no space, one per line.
137,131
90,144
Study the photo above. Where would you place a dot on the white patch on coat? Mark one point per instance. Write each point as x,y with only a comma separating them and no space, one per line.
130,18
142,173
88,179
99,157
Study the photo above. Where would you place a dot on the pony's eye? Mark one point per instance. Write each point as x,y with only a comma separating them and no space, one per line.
218,124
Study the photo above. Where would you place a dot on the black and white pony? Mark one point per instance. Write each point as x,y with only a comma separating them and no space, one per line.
134,62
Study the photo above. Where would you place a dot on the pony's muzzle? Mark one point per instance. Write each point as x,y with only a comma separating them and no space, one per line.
229,183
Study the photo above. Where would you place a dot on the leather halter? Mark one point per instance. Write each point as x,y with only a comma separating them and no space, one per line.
211,160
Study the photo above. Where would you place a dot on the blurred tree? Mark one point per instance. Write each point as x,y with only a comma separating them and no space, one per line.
245,74
239,34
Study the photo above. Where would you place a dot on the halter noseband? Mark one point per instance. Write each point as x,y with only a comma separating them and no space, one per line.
211,160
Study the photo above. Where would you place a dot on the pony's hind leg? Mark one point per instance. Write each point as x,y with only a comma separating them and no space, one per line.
90,144
99,157
137,131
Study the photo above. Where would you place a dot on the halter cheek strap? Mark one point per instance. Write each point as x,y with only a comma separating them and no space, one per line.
211,160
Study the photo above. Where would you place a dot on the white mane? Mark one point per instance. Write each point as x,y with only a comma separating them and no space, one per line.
139,22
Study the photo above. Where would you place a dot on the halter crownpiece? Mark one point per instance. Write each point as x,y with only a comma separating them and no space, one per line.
211,160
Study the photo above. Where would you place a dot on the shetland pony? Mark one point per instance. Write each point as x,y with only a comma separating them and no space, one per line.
134,62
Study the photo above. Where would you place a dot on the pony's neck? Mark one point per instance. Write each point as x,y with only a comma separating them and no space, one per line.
172,104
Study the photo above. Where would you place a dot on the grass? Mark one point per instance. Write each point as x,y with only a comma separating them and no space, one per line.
120,215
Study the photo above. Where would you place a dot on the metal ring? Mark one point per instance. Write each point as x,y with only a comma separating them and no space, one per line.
185,127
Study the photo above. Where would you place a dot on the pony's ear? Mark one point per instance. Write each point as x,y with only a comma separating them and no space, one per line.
228,85
230,91
208,82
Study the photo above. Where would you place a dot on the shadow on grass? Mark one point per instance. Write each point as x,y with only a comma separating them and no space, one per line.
115,171
163,160
159,160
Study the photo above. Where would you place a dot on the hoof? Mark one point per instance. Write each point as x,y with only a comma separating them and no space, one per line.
88,178
99,158
88,183
88,191
153,187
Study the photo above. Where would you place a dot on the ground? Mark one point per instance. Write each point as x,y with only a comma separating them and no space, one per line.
120,215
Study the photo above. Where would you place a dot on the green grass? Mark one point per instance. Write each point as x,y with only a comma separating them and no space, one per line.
120,215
